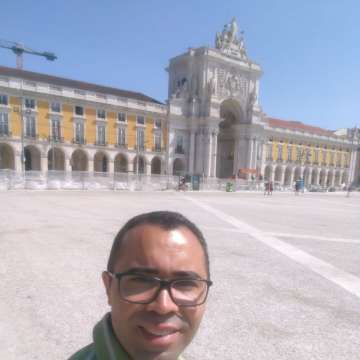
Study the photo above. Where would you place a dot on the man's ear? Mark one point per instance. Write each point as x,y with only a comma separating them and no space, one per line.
106,278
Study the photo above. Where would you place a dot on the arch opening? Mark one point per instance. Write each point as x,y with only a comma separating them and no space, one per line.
7,157
229,161
156,165
178,167
32,158
79,161
120,163
56,159
100,162
139,165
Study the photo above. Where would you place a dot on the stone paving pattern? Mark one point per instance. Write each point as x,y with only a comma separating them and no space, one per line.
264,305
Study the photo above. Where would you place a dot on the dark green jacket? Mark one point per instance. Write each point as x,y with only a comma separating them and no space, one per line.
105,346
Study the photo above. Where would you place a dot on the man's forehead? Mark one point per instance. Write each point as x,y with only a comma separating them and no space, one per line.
152,235
176,236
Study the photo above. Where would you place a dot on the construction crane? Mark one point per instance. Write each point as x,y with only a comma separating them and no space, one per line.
20,49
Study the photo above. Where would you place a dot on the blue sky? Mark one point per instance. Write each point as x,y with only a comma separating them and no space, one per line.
309,50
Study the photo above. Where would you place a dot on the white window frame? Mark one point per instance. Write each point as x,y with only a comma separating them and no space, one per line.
316,155
269,152
157,127
125,116
121,128
299,153
182,143
97,134
159,135
80,121
31,100
5,96
2,113
55,118
137,120
280,152
83,110
99,118
51,107
26,118
142,130
289,152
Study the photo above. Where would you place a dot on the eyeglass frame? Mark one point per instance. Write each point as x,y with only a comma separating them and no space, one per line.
164,284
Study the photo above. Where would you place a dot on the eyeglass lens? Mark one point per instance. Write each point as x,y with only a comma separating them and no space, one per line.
143,289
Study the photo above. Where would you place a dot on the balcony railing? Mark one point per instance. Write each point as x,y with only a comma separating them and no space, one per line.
57,139
80,141
140,147
31,136
158,149
101,143
121,146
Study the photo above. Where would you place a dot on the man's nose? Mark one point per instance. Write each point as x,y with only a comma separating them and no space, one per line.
163,304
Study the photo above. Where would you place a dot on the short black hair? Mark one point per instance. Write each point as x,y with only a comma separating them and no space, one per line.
167,220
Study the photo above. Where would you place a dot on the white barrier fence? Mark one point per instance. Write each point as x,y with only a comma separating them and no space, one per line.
78,180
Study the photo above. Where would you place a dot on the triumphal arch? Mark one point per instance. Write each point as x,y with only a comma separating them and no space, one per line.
214,112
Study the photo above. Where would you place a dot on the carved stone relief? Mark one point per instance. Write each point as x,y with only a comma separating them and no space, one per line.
230,83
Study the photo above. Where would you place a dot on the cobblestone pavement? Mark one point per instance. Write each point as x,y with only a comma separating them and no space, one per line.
286,271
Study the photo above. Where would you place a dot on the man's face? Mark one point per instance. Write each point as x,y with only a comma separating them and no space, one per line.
159,330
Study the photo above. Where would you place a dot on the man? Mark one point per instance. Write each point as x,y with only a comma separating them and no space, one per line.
157,281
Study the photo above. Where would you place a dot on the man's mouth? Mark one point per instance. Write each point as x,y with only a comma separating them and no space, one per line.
159,336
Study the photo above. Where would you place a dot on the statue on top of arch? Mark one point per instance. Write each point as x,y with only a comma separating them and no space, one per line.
228,42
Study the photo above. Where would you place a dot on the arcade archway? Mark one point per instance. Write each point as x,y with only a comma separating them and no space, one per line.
56,159
32,158
79,160
228,154
7,158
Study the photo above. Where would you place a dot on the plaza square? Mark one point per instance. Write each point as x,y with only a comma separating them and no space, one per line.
285,268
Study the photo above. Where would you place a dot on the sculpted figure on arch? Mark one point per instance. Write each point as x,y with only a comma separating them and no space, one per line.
157,281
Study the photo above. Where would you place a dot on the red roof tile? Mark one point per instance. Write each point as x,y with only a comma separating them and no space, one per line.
297,125
54,80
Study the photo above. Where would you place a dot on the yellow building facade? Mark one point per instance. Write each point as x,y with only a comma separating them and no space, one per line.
54,125
78,126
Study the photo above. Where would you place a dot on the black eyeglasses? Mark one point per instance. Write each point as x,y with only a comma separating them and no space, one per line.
144,289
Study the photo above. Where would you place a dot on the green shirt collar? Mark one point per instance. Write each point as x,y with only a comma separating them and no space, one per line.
106,344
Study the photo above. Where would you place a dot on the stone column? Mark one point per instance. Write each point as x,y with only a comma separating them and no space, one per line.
236,156
333,178
352,165
91,166
171,140
302,169
317,177
199,152
292,173
207,152
282,178
131,166
250,153
111,166
148,168
192,152
68,164
17,164
255,153
214,153
272,176
326,177
44,164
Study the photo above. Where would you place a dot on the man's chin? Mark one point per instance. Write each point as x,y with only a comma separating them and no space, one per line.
160,347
